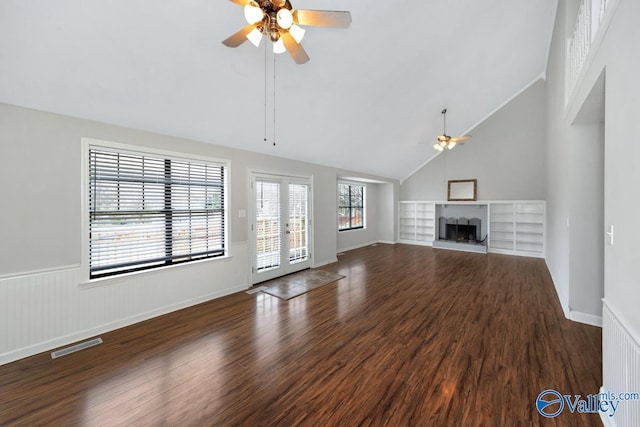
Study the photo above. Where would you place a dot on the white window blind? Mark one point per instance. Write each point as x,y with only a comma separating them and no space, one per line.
268,227
148,211
298,222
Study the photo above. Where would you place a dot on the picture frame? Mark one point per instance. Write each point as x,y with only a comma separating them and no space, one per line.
462,190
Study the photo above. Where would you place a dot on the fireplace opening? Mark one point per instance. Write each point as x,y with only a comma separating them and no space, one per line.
461,233
460,230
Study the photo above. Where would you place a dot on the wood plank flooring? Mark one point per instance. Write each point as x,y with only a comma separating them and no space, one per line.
410,337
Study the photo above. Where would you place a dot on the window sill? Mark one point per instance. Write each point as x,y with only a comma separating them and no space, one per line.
352,229
109,280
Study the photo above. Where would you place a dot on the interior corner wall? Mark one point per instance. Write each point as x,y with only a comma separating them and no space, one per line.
505,155
387,202
558,161
621,157
612,53
43,304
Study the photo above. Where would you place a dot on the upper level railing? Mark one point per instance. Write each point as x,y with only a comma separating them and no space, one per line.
590,15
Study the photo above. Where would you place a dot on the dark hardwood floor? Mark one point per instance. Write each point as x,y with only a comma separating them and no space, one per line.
410,337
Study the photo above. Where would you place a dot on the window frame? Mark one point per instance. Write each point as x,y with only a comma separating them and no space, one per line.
350,207
87,144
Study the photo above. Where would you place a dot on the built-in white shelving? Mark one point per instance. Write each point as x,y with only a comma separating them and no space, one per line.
417,223
530,221
515,227
501,226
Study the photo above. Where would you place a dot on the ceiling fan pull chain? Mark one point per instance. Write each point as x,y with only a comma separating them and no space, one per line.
265,92
274,100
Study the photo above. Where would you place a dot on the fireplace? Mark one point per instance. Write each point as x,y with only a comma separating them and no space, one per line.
460,230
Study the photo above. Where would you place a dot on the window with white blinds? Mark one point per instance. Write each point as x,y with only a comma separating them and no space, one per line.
148,211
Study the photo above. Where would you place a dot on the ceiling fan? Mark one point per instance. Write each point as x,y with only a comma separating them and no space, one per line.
278,20
446,141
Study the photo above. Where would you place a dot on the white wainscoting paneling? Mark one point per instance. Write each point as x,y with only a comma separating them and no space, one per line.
43,310
621,366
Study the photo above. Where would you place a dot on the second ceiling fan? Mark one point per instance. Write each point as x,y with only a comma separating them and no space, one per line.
278,20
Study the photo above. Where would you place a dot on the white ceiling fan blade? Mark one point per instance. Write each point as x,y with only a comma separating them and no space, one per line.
461,138
296,51
238,38
322,18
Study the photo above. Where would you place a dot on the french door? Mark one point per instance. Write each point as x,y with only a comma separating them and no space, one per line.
281,226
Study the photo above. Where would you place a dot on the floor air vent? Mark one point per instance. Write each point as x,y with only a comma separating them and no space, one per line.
77,347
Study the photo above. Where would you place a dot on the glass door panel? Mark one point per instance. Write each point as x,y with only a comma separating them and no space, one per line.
267,226
298,223
281,224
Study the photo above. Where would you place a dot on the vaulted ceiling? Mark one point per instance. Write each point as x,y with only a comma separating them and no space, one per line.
369,99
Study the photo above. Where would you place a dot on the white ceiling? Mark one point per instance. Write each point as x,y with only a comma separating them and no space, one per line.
370,94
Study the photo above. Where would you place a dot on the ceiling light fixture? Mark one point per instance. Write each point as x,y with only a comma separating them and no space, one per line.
253,13
297,32
284,18
255,36
278,20
445,141
278,47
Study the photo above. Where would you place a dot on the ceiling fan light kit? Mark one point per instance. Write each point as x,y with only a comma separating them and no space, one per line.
278,20
445,141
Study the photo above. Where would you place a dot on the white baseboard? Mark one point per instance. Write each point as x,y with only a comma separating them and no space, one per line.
564,305
362,245
51,344
415,243
325,262
589,319
387,242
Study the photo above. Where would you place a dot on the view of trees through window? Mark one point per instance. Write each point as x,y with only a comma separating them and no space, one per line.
350,206
148,211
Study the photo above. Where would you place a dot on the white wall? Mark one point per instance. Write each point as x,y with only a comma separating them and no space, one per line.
586,255
577,143
387,202
43,303
613,54
558,155
505,155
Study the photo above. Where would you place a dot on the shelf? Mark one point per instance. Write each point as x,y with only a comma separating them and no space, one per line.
537,242
417,222
529,247
501,245
517,227
496,235
498,239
